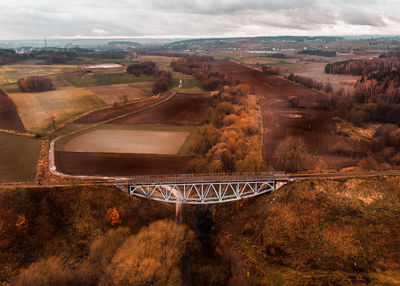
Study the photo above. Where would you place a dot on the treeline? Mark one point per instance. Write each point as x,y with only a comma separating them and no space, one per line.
231,140
278,56
321,53
210,80
35,84
381,87
161,53
149,68
116,55
144,68
186,66
310,83
391,54
58,56
190,64
54,56
270,69
196,65
8,56
363,66
162,82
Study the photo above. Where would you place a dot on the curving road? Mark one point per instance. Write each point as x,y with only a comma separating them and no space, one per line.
52,165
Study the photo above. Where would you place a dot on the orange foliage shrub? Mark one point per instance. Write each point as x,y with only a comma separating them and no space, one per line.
113,216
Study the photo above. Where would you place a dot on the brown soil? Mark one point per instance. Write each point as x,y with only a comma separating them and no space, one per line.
9,118
111,164
182,109
105,114
316,127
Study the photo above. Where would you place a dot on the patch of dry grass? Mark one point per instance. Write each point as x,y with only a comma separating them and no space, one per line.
37,109
11,73
357,133
349,225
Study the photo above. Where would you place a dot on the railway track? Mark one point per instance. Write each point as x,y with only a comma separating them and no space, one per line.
196,178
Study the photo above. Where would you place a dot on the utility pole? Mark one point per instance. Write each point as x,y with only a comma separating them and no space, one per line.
45,42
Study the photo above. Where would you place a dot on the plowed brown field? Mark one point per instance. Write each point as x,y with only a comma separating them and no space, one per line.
182,109
113,164
9,118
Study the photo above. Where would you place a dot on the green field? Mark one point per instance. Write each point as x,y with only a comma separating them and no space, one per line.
161,61
189,85
121,92
18,157
37,109
98,79
11,73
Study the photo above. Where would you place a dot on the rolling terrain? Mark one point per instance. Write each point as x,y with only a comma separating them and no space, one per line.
280,119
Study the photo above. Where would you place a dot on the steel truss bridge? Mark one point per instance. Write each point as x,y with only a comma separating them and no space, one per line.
207,188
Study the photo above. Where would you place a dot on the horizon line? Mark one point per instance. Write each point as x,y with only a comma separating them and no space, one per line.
159,37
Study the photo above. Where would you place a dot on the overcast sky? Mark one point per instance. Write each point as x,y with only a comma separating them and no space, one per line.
30,19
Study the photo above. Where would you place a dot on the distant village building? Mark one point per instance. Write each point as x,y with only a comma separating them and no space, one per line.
100,66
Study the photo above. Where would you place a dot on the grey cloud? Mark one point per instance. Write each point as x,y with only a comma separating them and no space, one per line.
226,6
52,18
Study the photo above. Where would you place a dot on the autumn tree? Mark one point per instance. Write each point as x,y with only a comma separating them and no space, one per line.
290,154
252,162
51,271
205,137
153,256
162,82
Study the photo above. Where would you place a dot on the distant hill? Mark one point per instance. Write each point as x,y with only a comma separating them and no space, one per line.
256,39
124,43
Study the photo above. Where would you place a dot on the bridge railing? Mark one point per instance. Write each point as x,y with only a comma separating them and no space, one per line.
205,177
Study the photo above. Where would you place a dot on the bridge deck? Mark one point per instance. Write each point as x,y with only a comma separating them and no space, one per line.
206,188
207,177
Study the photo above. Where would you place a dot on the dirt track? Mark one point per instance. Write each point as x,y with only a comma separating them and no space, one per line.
9,118
316,127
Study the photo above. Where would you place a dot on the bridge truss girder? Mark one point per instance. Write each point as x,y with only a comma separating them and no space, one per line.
202,192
